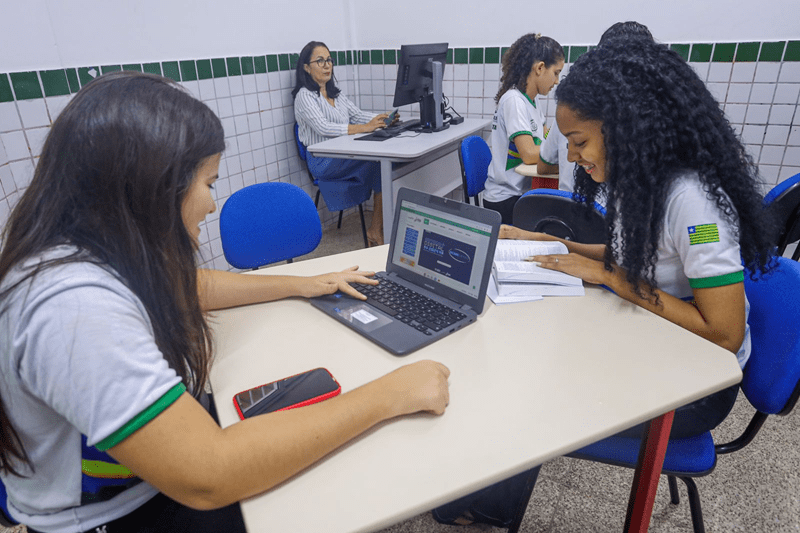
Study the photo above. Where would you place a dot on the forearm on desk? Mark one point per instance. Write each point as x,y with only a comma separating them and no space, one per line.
219,289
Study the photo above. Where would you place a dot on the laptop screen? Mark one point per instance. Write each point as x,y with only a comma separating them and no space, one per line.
442,247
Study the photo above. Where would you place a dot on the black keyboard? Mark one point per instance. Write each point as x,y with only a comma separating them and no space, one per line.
412,308
401,126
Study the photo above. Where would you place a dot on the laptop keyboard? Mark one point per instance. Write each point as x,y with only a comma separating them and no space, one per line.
416,310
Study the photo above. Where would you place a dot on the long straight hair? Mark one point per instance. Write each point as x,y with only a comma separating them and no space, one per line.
114,171
304,79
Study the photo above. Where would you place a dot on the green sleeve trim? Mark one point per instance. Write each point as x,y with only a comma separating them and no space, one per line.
545,161
717,281
142,418
537,141
515,135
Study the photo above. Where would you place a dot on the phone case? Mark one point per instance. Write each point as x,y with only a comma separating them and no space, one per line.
299,390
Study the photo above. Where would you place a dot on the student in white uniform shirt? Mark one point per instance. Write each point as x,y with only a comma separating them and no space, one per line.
531,67
104,345
684,212
553,152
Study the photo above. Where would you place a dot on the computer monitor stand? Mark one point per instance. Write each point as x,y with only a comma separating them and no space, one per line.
431,108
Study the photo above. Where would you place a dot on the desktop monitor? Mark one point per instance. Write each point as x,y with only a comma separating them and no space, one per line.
419,80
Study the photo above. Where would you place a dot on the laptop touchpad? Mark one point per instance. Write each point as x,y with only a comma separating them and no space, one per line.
364,316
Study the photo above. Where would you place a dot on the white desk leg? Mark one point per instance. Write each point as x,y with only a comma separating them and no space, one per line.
388,199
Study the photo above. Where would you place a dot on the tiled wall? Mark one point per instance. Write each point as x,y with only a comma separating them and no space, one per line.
758,83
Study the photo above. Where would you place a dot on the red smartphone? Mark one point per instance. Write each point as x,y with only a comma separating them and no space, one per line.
296,391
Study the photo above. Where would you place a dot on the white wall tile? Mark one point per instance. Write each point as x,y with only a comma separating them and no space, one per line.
786,93
249,84
460,88
236,85
792,156
5,212
22,172
771,155
56,104
193,87
743,72
33,113
720,72
238,105
262,82
718,91
753,134
701,69
776,134
788,172
36,137
767,72
475,89
476,72
225,107
15,144
460,72
7,185
738,93
782,114
735,113
762,93
251,103
221,87
794,136
790,72
9,117
769,173
757,114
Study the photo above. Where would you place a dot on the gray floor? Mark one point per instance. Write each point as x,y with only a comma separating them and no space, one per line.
753,490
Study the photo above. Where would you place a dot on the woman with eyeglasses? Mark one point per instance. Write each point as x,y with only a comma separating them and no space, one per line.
323,112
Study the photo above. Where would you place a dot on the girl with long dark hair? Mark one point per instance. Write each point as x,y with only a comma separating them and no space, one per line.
684,212
104,346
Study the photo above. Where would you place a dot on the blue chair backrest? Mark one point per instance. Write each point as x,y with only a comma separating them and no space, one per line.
557,213
268,222
301,148
475,159
784,200
772,373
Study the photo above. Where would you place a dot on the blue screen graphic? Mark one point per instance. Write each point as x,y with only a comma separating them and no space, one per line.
446,256
410,242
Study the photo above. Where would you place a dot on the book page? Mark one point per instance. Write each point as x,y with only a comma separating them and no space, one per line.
513,250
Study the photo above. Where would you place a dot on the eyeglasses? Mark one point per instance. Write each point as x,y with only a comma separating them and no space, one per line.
321,62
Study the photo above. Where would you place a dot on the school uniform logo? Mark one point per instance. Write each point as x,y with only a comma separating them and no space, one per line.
703,234
534,126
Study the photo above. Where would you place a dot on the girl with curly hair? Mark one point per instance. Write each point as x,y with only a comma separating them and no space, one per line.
530,67
684,213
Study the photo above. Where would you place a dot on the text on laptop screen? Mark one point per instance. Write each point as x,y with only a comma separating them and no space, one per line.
445,248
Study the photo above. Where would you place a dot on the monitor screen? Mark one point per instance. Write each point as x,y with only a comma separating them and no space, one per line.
414,75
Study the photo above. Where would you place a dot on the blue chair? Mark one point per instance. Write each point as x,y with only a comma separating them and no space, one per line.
475,157
784,200
556,213
5,518
771,383
266,223
339,193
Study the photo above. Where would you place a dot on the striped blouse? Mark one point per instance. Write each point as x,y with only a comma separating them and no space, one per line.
318,120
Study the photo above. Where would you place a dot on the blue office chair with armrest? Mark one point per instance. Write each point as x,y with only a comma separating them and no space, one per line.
784,200
556,213
266,223
771,383
339,195
5,518
475,157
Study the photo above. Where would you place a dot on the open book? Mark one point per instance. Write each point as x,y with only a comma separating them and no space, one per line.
515,277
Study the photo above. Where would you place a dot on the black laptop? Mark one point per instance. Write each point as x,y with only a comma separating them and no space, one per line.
437,272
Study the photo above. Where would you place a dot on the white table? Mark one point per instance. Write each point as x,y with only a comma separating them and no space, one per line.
412,150
529,382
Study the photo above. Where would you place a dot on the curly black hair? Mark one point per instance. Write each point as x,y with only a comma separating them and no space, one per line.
658,121
520,58
627,29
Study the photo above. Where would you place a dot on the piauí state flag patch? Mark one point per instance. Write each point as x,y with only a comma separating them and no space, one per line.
703,234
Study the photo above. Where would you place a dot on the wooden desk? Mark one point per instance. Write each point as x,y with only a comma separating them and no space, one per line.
519,396
410,150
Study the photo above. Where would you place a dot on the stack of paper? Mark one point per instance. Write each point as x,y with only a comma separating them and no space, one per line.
515,277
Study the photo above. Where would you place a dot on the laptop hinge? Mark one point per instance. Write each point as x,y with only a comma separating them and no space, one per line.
466,308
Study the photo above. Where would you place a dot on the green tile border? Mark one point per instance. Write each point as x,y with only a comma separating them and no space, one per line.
60,82
723,52
682,49
772,51
792,51
6,94
701,53
54,82
26,85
